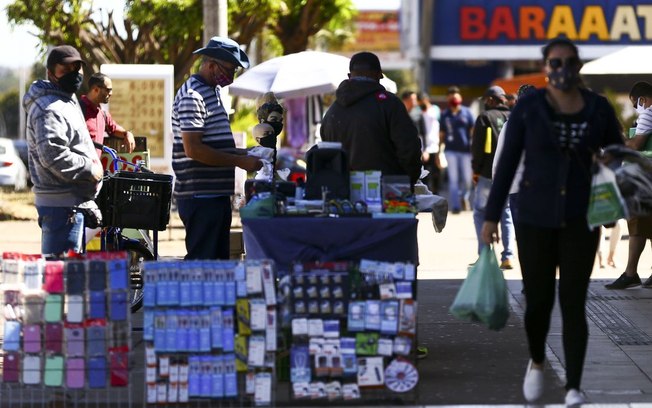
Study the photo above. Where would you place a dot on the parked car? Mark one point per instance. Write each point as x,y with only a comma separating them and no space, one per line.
21,148
13,172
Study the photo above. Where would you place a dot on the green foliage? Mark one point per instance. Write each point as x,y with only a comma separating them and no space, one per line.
244,119
8,79
9,109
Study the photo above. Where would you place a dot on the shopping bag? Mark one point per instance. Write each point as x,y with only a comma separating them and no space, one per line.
606,205
483,294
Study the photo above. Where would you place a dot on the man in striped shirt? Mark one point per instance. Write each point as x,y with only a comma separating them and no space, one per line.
204,155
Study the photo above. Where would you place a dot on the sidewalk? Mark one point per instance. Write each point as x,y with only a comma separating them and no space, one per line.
468,364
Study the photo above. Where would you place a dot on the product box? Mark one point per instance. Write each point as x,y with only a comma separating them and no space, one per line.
372,186
357,184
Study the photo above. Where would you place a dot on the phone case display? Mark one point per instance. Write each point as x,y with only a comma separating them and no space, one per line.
352,329
55,331
210,329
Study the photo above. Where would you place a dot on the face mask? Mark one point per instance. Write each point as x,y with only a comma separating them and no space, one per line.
71,82
455,102
564,78
640,108
268,141
223,80
277,126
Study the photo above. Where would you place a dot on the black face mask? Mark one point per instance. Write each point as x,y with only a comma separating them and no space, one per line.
277,126
268,141
564,78
71,82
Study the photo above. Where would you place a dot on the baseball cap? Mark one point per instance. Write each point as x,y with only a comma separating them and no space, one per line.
365,61
225,49
495,91
63,54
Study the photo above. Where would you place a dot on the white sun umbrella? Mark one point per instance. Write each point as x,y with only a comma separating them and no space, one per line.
301,74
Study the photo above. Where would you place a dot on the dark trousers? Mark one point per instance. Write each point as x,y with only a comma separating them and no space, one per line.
541,250
208,226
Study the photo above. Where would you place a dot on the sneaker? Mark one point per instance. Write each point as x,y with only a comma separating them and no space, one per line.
624,282
532,383
648,282
422,352
574,398
506,264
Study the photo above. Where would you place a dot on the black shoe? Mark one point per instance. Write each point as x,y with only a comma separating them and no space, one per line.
624,282
648,282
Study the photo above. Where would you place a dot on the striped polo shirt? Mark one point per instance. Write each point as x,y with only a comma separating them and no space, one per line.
197,107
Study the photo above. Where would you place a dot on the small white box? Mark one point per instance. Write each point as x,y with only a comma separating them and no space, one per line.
356,186
372,186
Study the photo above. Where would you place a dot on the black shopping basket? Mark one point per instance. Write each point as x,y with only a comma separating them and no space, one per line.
136,200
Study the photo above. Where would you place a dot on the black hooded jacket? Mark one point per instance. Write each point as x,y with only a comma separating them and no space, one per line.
375,129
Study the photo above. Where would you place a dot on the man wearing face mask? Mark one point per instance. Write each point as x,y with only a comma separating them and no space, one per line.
455,130
204,155
63,163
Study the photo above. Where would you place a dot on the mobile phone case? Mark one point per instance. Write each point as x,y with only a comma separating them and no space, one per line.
53,279
118,307
97,372
31,369
97,275
53,309
53,376
75,277
32,338
97,304
33,309
74,341
75,373
10,367
53,337
11,336
74,308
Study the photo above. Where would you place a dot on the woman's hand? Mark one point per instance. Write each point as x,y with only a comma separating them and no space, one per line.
490,232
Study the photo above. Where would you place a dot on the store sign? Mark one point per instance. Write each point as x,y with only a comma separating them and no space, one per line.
535,22
375,31
601,26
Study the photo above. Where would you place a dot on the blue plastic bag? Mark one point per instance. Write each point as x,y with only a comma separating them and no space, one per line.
483,294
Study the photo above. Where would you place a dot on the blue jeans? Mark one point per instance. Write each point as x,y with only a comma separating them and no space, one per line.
62,229
459,166
480,198
208,226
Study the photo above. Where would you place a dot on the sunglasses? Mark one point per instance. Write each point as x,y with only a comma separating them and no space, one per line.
235,69
556,63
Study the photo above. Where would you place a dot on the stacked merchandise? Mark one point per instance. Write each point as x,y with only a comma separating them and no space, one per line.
353,330
66,322
210,330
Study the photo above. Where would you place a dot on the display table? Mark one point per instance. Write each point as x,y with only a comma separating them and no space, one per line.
305,239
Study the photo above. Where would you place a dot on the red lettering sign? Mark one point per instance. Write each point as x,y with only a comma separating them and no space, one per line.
531,22
472,23
502,22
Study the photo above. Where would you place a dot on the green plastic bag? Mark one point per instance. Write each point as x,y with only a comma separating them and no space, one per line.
483,294
606,204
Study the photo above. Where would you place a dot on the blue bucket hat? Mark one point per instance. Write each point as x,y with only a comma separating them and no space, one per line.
225,49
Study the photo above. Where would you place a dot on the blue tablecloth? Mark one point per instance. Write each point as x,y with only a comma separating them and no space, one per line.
305,239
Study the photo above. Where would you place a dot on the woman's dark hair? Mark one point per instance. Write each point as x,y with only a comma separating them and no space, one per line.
265,109
559,41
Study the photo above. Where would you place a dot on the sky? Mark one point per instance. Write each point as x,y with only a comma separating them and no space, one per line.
18,48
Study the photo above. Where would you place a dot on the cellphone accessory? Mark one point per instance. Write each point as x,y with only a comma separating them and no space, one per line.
75,277
53,279
11,336
74,308
53,375
75,372
118,308
53,309
401,376
97,275
53,337
31,369
97,304
97,372
32,309
10,367
74,341
32,338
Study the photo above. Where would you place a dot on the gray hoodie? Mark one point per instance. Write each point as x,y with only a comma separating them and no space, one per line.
61,153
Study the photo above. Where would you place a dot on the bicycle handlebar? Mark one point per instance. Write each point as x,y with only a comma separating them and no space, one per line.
116,159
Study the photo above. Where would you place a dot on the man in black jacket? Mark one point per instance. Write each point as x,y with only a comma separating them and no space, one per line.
483,147
372,124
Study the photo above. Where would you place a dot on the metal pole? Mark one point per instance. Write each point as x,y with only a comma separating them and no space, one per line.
425,42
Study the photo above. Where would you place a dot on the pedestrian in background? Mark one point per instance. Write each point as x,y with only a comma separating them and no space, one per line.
430,156
456,128
559,128
204,156
640,228
486,132
63,164
100,89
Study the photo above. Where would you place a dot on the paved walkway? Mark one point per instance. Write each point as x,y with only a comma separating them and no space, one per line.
469,364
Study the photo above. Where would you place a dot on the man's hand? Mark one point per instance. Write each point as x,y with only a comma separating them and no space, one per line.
130,141
96,170
424,157
250,163
490,232
475,178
